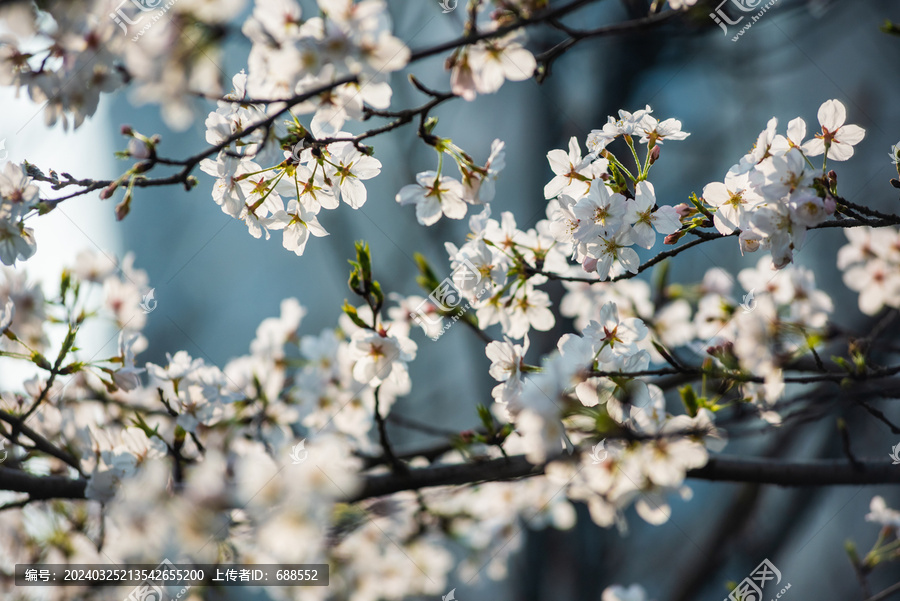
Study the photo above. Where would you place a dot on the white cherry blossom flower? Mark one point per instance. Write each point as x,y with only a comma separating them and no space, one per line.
644,221
732,199
635,592
616,247
573,173
507,360
297,224
378,356
600,213
348,168
880,513
487,64
837,136
434,195
530,309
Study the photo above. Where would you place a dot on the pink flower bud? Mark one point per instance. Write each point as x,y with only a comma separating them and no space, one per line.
673,238
684,210
123,208
108,191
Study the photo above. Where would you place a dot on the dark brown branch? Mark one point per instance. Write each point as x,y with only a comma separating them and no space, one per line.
41,487
40,443
397,466
885,593
887,221
836,377
628,275
545,60
721,468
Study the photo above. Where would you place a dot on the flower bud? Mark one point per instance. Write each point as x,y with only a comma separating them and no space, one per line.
654,154
673,238
126,130
684,210
108,191
124,207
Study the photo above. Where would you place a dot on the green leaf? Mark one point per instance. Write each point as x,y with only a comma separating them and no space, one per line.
690,400
891,28
430,124
365,260
41,361
484,414
428,279
377,294
350,310
661,278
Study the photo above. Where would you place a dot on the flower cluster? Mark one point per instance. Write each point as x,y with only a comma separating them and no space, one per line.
294,185
780,316
435,195
871,266
66,54
19,196
775,193
291,55
485,273
483,67
556,408
597,214
280,176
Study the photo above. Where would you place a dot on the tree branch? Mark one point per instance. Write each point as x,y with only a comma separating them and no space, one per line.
719,468
41,487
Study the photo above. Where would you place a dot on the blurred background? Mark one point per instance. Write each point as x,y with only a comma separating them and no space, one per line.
214,283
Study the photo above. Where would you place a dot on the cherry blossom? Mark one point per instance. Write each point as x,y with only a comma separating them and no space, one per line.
379,356
573,173
600,213
614,248
635,592
482,68
434,195
732,200
837,137
645,221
